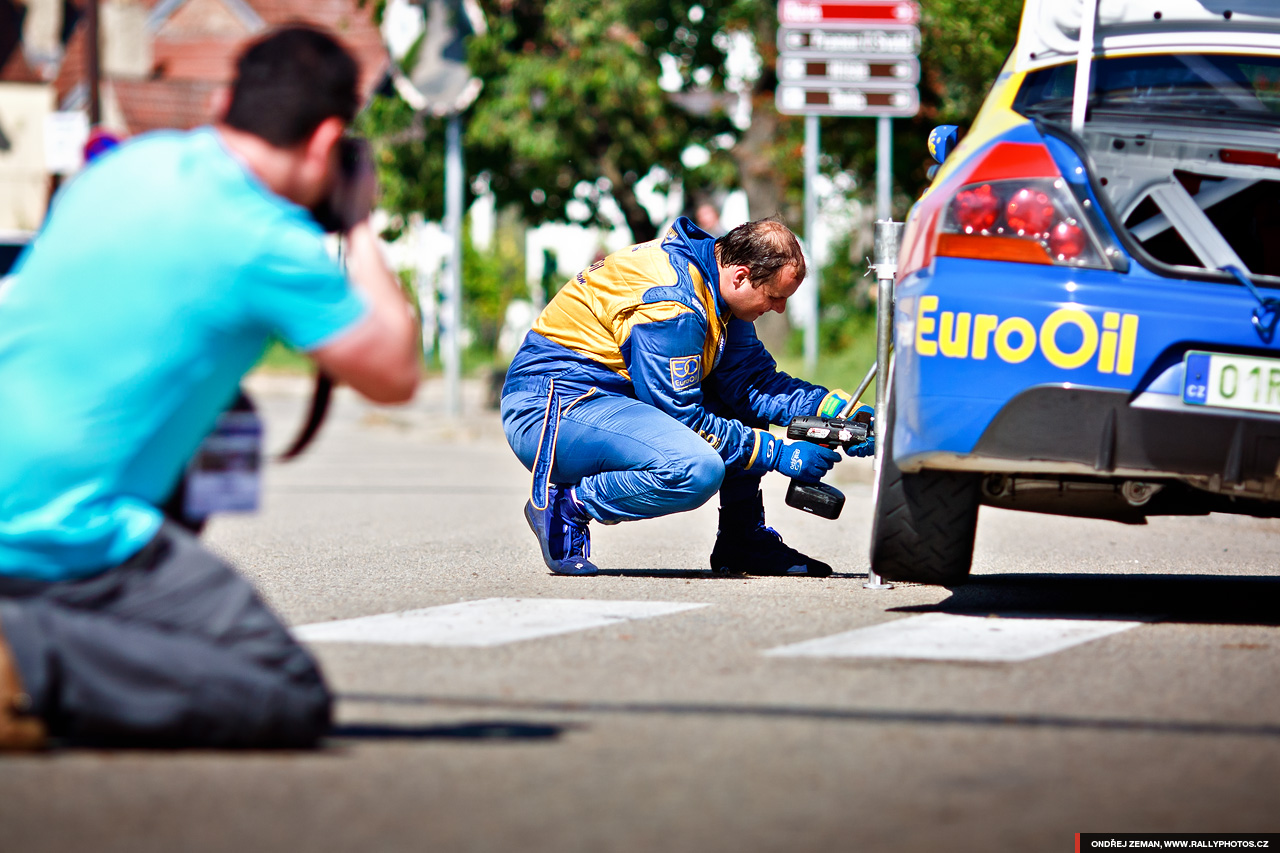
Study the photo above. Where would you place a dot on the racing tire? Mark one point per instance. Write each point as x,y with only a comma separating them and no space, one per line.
923,523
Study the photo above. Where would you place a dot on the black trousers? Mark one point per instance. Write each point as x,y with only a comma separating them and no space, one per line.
171,648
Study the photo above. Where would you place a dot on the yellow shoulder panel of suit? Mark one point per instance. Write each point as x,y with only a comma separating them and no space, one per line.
642,267
654,312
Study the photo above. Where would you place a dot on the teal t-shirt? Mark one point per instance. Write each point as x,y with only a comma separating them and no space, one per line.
160,275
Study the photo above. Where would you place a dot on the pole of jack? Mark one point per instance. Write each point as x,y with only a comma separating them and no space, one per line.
888,236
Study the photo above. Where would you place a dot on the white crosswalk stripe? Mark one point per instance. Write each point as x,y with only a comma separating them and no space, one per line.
946,636
487,622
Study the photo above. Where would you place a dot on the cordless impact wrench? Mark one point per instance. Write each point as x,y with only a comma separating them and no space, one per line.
819,498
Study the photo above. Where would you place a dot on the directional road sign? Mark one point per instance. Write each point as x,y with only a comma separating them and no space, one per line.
867,100
848,57
849,69
874,41
861,12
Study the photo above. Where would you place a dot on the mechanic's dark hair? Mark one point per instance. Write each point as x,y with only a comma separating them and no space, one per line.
764,247
289,81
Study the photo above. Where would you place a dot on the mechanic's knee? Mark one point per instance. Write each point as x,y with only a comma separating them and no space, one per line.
697,478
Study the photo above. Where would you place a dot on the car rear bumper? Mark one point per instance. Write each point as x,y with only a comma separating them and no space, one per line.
1095,390
1080,431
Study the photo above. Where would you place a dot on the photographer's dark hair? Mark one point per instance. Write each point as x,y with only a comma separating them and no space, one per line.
288,82
764,247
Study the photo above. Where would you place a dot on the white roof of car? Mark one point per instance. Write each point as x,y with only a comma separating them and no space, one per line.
1050,29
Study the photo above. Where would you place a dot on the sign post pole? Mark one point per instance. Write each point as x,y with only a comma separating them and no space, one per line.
439,83
884,168
453,204
846,58
812,144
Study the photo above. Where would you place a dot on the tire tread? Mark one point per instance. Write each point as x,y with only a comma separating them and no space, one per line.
924,523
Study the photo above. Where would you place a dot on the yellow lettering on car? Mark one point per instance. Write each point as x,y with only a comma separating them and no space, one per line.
1026,339
983,326
1128,343
925,325
959,334
1107,353
1049,340
953,337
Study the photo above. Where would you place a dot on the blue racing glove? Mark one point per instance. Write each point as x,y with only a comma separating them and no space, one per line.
801,460
868,447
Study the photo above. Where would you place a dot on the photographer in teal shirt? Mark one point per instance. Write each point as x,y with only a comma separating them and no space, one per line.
161,274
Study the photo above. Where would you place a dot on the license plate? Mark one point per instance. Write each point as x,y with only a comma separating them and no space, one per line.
1232,381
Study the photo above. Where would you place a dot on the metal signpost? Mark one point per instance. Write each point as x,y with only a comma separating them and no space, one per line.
439,83
846,58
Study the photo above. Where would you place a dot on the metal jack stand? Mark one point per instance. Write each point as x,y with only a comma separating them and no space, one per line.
888,236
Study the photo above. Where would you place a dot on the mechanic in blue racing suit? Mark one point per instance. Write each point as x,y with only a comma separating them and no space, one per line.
642,390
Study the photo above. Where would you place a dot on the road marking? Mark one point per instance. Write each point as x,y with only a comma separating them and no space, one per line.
946,636
487,622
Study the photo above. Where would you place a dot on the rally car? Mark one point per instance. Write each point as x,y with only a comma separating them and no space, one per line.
1088,293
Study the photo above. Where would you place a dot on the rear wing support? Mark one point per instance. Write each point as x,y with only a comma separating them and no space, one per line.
1084,63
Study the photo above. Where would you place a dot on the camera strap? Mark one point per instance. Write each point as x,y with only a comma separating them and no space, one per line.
320,395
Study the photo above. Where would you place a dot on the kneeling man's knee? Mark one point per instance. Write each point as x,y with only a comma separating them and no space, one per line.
700,477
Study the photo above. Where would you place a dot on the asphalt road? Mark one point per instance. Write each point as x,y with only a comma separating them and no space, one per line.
678,732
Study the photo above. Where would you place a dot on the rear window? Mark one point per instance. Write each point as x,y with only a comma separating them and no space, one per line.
1215,86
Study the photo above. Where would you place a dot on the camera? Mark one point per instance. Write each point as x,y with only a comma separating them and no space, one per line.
352,151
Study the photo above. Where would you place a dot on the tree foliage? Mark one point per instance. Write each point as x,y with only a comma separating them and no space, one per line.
572,110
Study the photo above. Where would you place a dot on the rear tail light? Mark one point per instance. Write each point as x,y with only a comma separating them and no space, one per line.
976,208
1030,211
1010,204
1041,214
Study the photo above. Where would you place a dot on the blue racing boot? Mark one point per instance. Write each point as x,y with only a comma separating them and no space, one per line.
562,532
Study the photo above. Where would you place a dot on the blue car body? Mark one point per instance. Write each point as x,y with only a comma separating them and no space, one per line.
1088,293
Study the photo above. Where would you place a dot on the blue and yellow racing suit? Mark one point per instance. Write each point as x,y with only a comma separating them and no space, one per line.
638,385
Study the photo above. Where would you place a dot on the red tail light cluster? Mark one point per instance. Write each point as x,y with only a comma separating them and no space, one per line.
1010,204
1040,214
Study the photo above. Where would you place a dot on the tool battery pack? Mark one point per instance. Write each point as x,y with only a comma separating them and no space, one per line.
817,498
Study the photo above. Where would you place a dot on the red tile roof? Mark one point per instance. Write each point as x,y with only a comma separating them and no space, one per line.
18,70
196,58
347,19
155,104
187,67
73,69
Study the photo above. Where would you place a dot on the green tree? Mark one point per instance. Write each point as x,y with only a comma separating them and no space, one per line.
490,280
572,109
572,112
